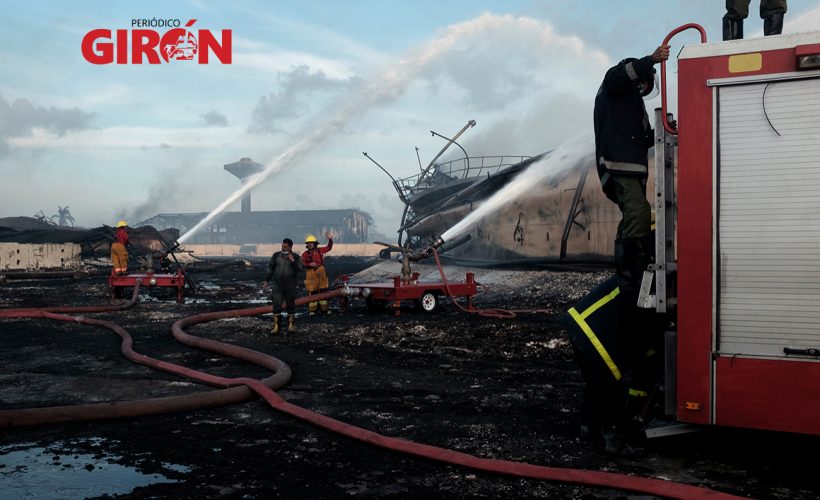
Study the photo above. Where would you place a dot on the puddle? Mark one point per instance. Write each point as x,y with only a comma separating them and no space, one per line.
30,471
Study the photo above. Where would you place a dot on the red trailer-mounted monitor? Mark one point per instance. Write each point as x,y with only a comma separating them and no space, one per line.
748,224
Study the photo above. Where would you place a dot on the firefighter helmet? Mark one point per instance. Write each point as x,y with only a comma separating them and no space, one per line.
122,223
311,239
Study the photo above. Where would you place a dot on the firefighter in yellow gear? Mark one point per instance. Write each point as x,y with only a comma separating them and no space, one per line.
119,251
315,274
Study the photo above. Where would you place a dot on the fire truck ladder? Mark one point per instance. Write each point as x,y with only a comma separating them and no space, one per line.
658,285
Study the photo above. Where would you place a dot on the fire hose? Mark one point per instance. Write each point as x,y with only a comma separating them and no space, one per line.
487,313
154,406
265,389
32,312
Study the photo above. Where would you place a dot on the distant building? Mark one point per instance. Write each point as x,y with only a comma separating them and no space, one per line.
348,226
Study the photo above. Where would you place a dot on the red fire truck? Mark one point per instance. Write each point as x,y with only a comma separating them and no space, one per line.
738,234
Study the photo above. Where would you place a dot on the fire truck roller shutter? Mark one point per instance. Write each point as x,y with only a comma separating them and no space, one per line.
768,279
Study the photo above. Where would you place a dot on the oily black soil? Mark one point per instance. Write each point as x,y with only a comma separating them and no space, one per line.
493,388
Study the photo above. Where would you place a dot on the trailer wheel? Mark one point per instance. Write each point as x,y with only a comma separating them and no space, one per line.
428,302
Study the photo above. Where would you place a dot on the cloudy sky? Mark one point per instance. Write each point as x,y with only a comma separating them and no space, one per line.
330,78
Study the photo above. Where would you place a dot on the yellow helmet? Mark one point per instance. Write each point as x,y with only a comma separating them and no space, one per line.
122,223
311,239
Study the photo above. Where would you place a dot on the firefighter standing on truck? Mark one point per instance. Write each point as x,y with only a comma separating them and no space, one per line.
771,11
119,249
623,137
613,396
315,274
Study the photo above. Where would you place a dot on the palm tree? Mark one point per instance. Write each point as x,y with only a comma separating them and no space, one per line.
64,216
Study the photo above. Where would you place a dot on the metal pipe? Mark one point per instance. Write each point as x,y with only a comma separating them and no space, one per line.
672,33
455,243
469,124
573,213
377,164
466,156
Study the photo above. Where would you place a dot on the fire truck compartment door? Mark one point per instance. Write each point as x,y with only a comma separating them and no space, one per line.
768,232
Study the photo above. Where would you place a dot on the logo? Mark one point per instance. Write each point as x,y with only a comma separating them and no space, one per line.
101,46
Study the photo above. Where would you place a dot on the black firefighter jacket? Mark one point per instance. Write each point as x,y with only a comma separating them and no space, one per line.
282,273
623,135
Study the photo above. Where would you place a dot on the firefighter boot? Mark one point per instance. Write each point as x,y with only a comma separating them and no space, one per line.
291,323
617,444
773,24
324,307
276,318
632,257
733,28
312,309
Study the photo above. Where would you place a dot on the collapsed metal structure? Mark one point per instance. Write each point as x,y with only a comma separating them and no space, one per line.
564,221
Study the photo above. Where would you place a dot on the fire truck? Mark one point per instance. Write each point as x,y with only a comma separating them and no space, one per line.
737,206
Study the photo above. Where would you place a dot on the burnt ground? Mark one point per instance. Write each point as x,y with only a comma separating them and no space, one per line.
494,388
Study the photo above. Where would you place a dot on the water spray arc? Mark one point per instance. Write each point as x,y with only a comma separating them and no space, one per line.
389,85
386,86
577,151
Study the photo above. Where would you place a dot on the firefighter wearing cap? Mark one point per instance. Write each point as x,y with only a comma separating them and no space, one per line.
119,251
315,274
623,136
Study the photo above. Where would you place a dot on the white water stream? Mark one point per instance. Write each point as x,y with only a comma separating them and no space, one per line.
390,83
577,151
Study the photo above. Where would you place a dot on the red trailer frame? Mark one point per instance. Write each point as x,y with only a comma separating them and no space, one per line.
426,294
716,384
149,280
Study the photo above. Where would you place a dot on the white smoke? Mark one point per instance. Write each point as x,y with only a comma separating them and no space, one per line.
392,82
580,150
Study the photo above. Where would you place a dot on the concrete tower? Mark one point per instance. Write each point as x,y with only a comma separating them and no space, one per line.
243,169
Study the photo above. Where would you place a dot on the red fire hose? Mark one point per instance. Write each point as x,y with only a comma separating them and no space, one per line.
208,399
282,373
672,33
26,311
155,406
487,313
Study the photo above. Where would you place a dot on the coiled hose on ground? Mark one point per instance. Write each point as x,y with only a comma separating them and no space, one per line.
237,389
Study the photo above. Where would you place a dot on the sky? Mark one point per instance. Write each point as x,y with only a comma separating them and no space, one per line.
113,141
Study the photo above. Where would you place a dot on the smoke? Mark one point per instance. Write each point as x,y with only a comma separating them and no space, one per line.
513,59
214,119
19,118
297,88
390,84
164,192
578,151
805,22
551,121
